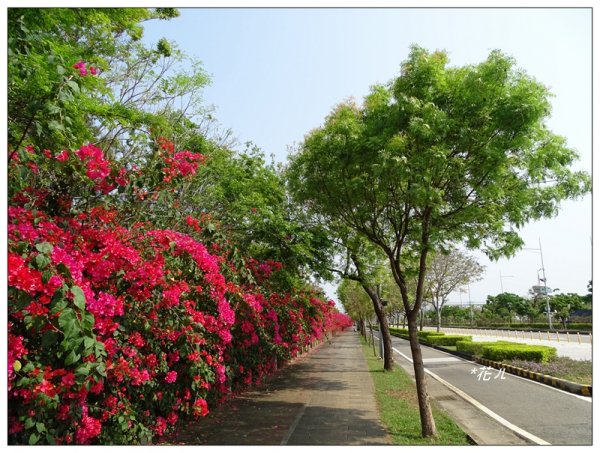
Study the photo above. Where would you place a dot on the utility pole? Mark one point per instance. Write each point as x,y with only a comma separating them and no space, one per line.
501,277
545,287
470,303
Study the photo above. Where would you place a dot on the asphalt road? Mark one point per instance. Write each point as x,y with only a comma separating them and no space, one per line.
549,414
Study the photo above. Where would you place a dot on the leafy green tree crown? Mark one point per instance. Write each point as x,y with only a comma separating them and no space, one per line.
440,155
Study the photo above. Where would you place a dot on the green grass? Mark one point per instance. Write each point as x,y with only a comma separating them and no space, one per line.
397,400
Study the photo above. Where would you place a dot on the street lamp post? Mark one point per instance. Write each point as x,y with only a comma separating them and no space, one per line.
470,303
545,287
546,290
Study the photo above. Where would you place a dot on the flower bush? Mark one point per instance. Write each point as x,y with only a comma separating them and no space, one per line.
117,330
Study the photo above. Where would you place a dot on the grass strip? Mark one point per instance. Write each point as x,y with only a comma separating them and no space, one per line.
399,409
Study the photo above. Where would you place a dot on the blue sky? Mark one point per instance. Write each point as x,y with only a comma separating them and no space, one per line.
278,72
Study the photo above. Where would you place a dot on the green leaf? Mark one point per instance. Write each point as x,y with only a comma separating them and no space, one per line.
33,438
42,261
54,125
87,321
44,247
78,297
49,338
73,85
69,323
72,357
40,427
58,304
88,345
64,270
83,370
101,369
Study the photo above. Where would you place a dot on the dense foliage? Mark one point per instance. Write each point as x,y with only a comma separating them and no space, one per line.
144,286
116,330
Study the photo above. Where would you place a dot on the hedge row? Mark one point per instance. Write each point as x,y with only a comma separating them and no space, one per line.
399,332
428,334
476,347
448,340
505,350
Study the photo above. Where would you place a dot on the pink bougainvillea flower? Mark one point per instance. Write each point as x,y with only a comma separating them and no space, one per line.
171,377
63,156
80,65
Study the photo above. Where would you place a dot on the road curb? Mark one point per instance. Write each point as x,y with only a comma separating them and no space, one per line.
568,386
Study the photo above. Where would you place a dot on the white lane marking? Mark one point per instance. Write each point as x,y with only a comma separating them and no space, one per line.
481,407
442,360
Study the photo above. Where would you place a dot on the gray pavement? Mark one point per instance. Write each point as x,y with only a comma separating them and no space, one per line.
545,413
325,397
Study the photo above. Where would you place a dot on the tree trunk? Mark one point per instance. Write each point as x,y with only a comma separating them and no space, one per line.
428,428
388,357
384,329
363,328
439,318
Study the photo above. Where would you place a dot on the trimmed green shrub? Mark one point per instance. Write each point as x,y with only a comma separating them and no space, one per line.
425,334
399,332
448,340
469,347
476,347
535,353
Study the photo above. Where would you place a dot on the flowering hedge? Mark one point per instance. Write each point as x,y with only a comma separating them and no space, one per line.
116,330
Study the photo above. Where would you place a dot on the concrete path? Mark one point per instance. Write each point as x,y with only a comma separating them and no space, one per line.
324,398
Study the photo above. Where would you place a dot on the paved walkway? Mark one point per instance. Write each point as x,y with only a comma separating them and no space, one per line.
324,398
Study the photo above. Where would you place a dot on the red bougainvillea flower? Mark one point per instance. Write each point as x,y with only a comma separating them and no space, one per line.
200,407
80,65
171,377
63,156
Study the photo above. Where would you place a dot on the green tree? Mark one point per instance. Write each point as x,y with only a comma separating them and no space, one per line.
441,155
447,272
356,302
507,305
50,101
456,314
564,304
588,297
